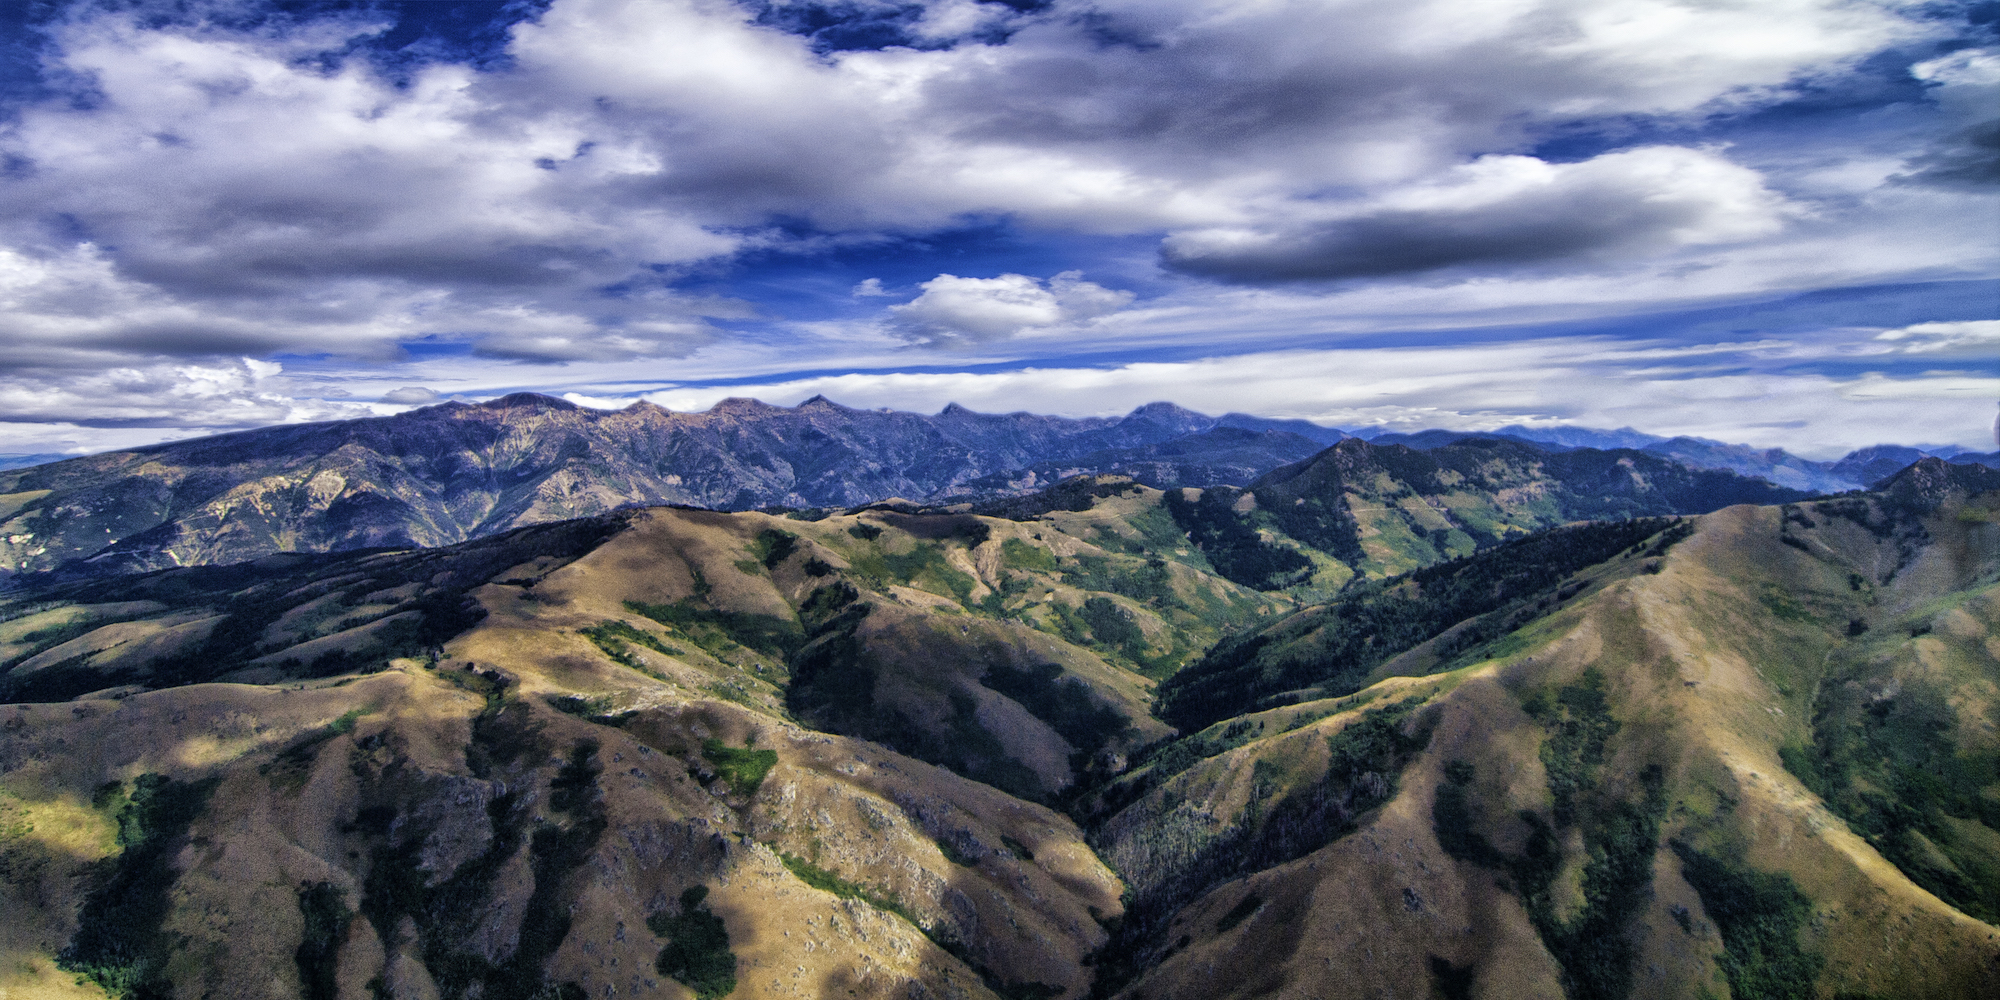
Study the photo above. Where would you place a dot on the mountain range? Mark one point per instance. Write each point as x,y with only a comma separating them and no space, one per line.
445,474
1467,721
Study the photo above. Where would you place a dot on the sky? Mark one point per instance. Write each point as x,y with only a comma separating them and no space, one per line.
1773,222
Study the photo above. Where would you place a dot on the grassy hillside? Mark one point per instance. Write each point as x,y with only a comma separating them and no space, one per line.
894,752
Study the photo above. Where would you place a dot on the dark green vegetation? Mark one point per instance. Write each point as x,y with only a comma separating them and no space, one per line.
1454,821
1578,724
923,567
772,547
1365,761
697,953
1759,915
394,603
118,943
613,638
718,631
1331,649
323,908
743,768
826,881
1231,542
1885,758
1620,837
446,913
292,762
1593,945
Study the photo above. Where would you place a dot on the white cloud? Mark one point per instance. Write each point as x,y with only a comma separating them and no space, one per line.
197,397
411,395
1979,335
953,308
1509,210
210,194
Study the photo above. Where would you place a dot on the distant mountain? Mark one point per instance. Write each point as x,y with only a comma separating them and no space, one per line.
1867,466
1774,464
1857,470
23,461
1303,428
1224,456
1559,437
448,473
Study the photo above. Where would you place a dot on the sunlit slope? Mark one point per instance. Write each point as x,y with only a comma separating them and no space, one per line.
447,773
1604,808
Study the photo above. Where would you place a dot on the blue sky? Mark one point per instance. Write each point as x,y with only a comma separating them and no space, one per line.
1767,221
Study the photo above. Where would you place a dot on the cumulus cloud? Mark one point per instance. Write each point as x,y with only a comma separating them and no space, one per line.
198,190
1501,210
204,397
953,308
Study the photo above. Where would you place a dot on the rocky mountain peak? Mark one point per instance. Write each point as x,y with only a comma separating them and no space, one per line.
531,401
740,406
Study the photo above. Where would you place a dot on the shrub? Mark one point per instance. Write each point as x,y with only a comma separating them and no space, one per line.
744,769
697,952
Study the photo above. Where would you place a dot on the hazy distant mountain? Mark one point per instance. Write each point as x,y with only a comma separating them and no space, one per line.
447,473
1859,469
1224,456
24,461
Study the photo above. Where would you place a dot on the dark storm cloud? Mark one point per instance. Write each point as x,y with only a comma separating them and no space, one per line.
1968,159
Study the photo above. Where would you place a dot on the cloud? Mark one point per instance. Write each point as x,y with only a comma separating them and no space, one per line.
1980,336
869,288
1501,211
411,395
954,308
199,397
196,189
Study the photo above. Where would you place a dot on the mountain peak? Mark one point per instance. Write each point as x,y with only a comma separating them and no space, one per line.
1166,410
742,406
528,401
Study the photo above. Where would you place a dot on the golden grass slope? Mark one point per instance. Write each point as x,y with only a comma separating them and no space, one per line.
1710,668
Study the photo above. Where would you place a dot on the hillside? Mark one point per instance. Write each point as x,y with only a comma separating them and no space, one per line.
902,752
